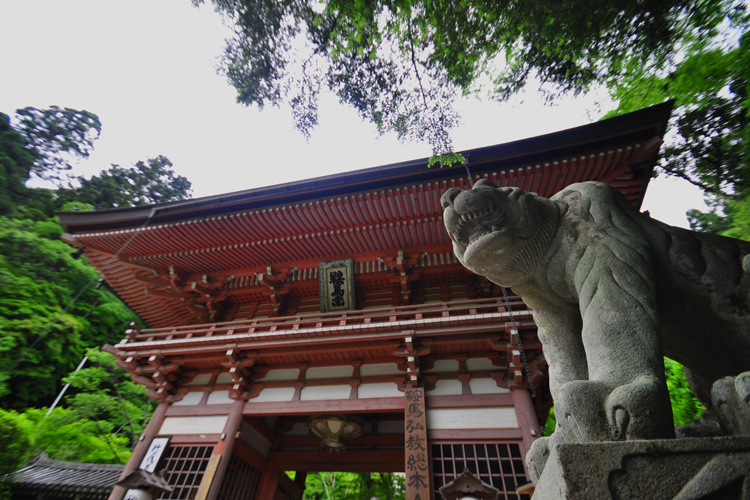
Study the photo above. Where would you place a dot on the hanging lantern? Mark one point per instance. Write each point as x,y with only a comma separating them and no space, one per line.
335,430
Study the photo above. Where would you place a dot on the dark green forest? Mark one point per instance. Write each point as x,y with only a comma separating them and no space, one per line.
54,308
400,65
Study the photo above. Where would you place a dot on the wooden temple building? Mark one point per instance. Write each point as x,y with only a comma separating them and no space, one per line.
325,325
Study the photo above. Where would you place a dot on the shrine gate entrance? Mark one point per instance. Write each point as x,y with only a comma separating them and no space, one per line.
429,402
338,302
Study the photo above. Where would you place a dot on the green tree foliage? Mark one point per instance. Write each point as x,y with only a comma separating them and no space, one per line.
685,407
401,64
57,135
354,486
727,216
738,214
15,442
40,340
63,435
14,448
15,164
50,312
550,424
45,141
100,421
712,221
152,181
708,141
103,392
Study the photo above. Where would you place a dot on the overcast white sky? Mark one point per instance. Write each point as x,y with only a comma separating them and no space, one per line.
148,69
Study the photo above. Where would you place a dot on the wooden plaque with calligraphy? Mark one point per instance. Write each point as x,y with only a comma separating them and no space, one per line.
418,476
336,285
154,453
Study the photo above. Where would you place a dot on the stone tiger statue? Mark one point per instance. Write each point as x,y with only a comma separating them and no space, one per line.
612,291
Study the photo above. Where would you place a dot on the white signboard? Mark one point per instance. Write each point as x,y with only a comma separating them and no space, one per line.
155,450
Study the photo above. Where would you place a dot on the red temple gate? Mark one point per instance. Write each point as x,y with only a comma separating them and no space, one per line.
338,300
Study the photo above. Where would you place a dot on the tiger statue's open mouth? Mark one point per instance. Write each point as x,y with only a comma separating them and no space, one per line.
487,221
477,224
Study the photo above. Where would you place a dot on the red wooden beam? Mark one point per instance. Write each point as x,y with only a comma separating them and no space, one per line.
346,461
374,405
371,440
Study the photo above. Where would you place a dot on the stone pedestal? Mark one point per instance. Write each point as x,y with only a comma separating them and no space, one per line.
680,469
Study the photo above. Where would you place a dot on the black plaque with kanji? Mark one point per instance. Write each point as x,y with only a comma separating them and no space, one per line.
336,285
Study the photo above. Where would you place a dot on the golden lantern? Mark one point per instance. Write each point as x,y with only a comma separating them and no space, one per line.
335,430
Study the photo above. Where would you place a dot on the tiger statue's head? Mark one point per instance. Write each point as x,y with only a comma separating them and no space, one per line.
499,232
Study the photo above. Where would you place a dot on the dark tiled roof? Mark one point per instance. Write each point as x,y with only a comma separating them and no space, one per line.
65,479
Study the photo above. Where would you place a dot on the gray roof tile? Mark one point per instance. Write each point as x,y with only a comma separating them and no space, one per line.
65,478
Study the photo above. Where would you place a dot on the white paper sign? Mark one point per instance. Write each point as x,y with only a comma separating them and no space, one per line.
155,450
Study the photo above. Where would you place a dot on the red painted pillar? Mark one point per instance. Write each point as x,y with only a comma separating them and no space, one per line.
269,482
526,416
152,429
223,451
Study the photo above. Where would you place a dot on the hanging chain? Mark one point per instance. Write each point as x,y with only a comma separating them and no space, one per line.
526,368
468,172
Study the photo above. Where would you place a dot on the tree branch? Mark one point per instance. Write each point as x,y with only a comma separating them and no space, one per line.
705,187
416,70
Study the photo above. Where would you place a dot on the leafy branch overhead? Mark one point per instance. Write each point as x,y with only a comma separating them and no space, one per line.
708,139
146,182
55,136
401,64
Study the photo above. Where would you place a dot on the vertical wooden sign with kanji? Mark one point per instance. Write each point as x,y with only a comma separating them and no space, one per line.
418,477
336,285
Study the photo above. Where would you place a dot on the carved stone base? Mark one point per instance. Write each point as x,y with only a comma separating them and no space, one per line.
679,469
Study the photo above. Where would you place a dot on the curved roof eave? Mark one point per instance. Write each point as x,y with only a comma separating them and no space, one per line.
640,125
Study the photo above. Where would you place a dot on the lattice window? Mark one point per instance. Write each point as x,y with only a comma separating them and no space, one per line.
240,481
498,464
185,465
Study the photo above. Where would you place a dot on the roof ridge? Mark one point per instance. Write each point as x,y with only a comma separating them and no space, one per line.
43,460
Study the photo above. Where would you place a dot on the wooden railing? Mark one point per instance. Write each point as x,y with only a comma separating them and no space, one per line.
357,317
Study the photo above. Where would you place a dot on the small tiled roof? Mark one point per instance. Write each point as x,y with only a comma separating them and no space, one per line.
65,479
